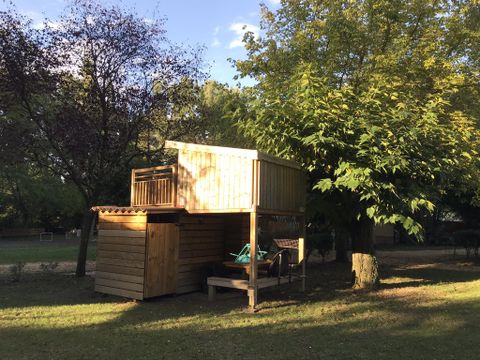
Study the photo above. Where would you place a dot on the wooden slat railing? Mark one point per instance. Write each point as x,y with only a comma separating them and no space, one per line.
155,186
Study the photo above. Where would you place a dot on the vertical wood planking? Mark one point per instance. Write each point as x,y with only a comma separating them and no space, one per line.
281,188
161,259
132,188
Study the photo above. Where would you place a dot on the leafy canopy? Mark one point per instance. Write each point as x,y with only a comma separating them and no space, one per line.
370,96
97,91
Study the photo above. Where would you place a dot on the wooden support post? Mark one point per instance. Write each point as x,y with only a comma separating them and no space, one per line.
301,249
173,193
212,291
252,281
132,188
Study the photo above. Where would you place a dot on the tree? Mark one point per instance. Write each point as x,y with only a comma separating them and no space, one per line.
365,95
218,106
97,90
26,198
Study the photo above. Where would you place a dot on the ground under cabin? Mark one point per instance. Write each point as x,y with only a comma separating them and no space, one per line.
186,217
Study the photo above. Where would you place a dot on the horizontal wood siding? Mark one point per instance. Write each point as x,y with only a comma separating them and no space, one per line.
281,188
214,182
237,233
121,255
201,244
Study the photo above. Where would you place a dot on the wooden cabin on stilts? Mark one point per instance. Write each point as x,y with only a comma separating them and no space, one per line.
186,217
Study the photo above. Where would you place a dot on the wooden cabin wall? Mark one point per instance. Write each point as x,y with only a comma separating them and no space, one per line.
281,188
210,182
120,258
201,244
237,233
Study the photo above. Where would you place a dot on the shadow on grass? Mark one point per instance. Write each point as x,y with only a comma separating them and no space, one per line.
363,328
329,321
325,282
427,275
48,289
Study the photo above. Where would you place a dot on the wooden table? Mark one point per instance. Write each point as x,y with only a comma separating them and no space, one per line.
246,267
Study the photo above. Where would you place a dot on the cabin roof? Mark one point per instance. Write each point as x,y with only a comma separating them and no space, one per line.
246,153
111,209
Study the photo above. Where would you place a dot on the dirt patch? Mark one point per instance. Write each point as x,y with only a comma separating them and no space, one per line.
34,241
430,259
63,267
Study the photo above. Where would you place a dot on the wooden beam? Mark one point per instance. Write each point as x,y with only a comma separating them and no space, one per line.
256,193
132,188
174,185
138,295
301,249
220,211
280,212
122,233
212,290
228,282
153,168
214,281
252,154
252,279
247,153
273,281
277,160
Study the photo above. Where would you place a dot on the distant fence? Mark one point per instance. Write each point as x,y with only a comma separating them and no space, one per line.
20,232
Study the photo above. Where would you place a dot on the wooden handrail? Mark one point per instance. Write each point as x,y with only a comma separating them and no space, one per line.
154,186
161,167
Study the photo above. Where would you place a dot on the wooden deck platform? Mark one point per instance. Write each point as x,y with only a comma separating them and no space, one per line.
240,284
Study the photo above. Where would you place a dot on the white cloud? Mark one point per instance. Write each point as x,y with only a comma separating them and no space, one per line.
33,15
240,29
148,21
275,2
54,25
90,20
216,42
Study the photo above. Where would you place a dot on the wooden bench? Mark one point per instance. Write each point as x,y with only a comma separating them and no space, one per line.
240,284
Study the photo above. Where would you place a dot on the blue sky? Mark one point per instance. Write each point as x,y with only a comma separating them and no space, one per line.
215,24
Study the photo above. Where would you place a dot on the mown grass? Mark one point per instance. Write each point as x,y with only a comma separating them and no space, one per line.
42,253
420,312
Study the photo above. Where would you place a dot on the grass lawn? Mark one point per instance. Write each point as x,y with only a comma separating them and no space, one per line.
423,310
29,251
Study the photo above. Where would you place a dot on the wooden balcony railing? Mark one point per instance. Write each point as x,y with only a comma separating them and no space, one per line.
155,186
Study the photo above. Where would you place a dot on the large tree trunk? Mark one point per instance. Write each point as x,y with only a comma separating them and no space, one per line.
341,241
87,223
364,262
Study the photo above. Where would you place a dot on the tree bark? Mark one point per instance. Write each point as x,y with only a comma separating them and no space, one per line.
87,222
364,262
341,241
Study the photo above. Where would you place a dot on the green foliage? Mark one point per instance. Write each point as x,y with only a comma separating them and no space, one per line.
34,252
33,197
219,107
90,114
322,242
370,97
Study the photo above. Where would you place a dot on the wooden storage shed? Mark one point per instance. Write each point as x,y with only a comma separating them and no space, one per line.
186,216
